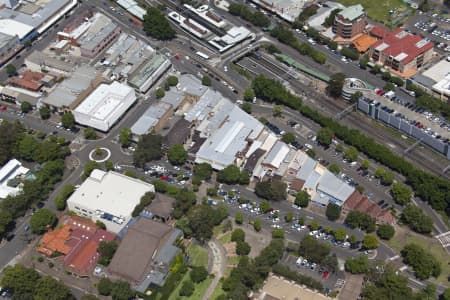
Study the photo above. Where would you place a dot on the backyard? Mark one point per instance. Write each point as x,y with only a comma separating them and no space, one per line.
403,237
379,10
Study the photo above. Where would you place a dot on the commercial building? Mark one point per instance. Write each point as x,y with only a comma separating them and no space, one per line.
133,8
153,119
78,240
105,106
233,37
408,122
40,15
363,42
190,25
288,10
145,254
22,31
9,44
40,62
148,73
350,22
353,85
316,21
402,52
208,15
9,3
361,203
18,95
109,197
12,174
70,92
436,79
100,34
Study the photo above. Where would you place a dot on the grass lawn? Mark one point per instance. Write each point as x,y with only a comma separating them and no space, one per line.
218,291
226,238
233,260
378,10
432,245
218,230
198,255
200,289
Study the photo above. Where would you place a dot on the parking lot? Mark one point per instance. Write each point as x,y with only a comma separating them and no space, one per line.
329,280
434,27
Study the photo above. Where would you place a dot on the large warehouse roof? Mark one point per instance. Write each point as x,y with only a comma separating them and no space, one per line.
12,27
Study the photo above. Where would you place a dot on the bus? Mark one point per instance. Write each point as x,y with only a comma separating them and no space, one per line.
202,55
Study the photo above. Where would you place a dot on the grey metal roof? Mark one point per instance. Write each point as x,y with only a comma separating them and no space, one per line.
173,97
99,30
333,186
44,60
191,85
311,181
150,118
5,39
307,168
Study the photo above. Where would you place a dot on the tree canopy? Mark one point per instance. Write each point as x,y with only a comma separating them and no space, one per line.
106,251
313,250
357,265
229,175
156,25
177,155
50,288
401,193
148,148
335,85
274,190
370,241
42,220
423,263
333,211
302,199
417,219
325,136
68,120
125,137
357,219
203,171
386,231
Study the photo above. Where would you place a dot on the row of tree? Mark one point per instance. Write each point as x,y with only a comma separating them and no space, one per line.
232,175
286,36
430,188
257,18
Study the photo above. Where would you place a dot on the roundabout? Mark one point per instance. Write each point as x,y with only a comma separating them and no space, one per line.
100,154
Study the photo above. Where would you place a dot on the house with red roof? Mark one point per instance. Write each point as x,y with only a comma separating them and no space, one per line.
399,51
359,202
77,242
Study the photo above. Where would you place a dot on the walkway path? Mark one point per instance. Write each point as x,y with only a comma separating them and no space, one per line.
217,266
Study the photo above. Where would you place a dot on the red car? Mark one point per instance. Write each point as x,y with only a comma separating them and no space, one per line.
325,275
164,178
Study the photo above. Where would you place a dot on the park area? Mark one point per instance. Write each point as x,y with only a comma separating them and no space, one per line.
403,237
380,10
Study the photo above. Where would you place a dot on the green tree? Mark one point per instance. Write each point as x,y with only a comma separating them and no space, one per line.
334,168
386,231
249,95
206,81
100,224
106,251
89,167
278,233
68,120
355,97
156,25
389,86
109,165
288,138
198,274
333,211
330,19
105,286
277,110
160,93
302,199
349,53
242,248
423,263
50,288
121,290
370,241
363,61
357,265
274,190
238,235
90,133
125,137
257,225
313,250
229,175
203,171
351,153
42,220
325,136
340,234
288,217
446,294
44,112
311,153
21,280
89,297
187,289
60,200
177,155
26,107
264,206
365,164
387,178
339,148
239,218
352,240
244,178
172,80
401,193
314,225
6,219
148,148
247,107
335,85
379,172
301,221
11,69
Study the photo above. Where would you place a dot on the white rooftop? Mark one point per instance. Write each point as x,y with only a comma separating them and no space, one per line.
10,170
12,27
110,192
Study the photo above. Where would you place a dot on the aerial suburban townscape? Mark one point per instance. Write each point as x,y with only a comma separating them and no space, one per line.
225,149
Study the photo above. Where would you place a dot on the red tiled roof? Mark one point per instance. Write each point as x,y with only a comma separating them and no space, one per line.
297,184
363,42
361,203
403,43
353,200
26,84
56,241
379,31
